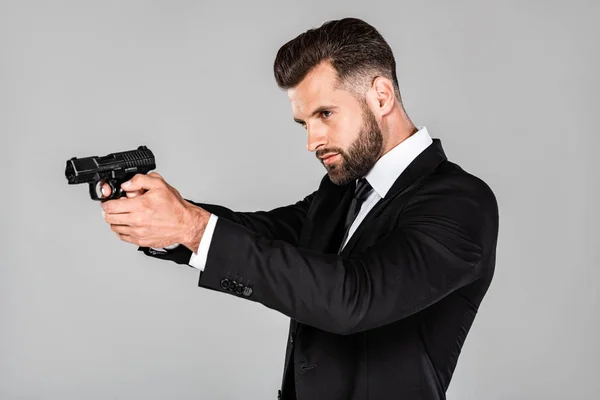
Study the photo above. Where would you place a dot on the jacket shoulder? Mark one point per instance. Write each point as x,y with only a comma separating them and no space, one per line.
449,178
454,196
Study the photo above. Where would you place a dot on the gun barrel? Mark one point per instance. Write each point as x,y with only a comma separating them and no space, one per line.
89,169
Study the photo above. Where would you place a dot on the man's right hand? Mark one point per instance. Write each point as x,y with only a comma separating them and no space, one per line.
130,194
106,192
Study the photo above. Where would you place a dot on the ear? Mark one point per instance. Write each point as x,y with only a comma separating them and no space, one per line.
382,96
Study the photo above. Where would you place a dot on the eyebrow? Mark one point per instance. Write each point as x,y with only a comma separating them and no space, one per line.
318,110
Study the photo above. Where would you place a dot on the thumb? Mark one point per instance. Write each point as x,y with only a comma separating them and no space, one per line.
134,194
142,182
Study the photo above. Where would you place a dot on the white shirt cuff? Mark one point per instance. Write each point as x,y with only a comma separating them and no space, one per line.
166,247
198,259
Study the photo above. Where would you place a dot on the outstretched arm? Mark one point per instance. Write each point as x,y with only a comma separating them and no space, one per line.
155,216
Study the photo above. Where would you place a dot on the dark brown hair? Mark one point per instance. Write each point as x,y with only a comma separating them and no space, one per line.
355,49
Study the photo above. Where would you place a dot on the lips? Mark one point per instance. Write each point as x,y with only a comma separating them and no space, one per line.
326,156
328,159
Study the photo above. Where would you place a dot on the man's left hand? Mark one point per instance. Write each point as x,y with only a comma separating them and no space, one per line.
157,218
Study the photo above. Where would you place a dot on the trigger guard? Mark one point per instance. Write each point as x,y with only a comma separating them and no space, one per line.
115,191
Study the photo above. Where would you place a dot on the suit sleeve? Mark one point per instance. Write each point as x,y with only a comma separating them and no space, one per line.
439,245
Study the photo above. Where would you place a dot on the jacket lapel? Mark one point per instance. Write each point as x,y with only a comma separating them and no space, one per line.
327,223
418,169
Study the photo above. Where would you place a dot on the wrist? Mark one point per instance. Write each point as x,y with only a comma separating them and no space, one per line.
195,223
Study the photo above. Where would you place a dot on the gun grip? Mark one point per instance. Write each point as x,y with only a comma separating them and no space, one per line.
115,190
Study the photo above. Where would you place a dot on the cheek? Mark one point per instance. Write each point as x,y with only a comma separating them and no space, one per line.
347,130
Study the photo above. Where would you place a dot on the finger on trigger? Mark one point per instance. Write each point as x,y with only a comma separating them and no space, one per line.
106,190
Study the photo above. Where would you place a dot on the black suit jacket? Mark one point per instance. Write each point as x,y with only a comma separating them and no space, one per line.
387,317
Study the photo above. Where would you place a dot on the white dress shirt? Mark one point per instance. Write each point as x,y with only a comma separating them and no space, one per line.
381,177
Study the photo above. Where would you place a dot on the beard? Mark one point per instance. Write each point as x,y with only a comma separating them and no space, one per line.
361,155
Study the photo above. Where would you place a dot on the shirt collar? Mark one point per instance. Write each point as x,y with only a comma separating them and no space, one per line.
389,166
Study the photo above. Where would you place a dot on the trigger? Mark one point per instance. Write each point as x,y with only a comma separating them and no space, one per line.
117,190
98,189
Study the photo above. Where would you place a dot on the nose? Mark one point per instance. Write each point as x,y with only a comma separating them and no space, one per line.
316,138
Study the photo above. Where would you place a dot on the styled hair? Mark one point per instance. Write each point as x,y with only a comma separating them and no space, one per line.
355,49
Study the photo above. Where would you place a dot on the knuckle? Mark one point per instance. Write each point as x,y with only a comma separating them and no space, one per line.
159,179
134,178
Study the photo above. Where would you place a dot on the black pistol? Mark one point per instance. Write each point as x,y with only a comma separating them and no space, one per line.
114,169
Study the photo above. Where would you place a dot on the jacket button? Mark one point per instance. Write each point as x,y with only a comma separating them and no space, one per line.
225,283
247,291
239,289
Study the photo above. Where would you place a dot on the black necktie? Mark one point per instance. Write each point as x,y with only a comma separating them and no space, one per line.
361,192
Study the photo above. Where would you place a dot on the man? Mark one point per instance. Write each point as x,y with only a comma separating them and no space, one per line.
381,270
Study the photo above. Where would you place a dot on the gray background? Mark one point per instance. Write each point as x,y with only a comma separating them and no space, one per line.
511,88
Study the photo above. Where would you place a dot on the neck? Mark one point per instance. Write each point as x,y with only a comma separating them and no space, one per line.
397,128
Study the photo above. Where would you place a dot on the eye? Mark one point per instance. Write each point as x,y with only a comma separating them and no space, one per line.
326,114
